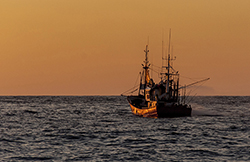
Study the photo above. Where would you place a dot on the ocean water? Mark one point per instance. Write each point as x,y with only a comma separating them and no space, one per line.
102,128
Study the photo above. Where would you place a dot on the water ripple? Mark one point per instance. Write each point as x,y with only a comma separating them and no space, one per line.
102,128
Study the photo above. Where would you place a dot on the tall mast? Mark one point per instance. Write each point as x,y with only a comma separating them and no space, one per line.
146,56
163,57
147,77
168,67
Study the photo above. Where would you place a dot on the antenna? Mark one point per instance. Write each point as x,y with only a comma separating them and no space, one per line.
148,41
169,41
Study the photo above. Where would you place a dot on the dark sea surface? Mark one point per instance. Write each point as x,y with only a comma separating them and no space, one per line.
102,128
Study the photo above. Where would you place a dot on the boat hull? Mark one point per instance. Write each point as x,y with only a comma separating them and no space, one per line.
138,110
160,110
147,112
164,111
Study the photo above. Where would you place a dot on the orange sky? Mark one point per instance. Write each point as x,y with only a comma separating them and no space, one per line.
95,47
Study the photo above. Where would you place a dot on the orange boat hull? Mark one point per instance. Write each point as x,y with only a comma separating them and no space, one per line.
145,112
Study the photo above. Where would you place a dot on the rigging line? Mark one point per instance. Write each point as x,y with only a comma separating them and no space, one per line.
154,70
187,78
200,81
190,78
172,68
129,90
138,76
156,66
134,90
135,85
195,90
159,75
191,98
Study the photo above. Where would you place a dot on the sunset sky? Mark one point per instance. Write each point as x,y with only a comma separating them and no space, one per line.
95,47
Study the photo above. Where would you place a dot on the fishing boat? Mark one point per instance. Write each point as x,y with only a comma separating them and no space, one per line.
162,99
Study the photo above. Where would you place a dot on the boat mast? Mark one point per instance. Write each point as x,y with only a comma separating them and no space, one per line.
168,67
147,77
140,84
163,57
